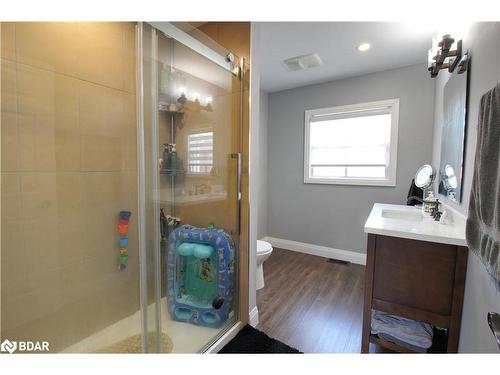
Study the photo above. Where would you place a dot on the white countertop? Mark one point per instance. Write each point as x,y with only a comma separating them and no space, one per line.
410,222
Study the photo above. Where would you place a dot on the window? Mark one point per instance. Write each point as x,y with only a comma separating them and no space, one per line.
200,152
352,145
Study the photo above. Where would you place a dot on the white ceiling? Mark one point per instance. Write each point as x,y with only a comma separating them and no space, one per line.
392,45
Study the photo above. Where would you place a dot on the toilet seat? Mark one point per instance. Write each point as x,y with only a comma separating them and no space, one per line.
263,247
264,250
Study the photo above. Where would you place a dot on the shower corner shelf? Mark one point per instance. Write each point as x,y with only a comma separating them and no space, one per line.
171,109
172,172
179,112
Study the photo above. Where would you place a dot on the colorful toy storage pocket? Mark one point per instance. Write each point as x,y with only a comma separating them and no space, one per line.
200,266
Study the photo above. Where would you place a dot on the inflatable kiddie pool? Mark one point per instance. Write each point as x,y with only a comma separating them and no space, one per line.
200,269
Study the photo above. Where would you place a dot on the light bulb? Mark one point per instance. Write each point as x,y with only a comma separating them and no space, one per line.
363,47
430,58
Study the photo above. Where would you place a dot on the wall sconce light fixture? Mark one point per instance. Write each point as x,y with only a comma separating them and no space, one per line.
446,54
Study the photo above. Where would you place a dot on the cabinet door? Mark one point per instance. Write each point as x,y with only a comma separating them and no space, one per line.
416,274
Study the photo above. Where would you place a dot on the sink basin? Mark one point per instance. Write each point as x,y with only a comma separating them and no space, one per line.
410,222
402,215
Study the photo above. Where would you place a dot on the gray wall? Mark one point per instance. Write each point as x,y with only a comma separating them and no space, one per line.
334,215
483,40
262,165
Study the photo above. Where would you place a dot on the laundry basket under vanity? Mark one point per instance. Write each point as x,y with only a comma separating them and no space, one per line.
421,279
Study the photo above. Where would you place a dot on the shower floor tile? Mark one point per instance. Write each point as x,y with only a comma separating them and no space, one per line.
186,338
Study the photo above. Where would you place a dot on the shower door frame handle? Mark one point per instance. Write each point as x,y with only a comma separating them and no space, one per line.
238,157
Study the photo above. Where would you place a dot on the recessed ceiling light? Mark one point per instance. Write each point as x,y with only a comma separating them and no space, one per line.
363,47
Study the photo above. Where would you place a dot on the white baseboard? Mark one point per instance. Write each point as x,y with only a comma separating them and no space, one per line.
322,251
253,317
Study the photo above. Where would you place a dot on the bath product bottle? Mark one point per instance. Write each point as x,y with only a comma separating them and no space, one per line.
173,158
428,202
167,157
163,226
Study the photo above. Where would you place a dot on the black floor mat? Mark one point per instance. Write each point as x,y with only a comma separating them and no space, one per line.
250,340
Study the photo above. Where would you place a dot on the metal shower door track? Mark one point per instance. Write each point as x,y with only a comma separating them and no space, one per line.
194,44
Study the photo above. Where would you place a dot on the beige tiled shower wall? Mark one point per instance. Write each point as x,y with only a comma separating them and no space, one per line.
68,164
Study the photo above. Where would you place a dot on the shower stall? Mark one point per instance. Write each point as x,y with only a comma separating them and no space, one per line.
191,142
121,187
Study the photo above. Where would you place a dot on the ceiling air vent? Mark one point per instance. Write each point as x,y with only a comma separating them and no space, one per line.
303,62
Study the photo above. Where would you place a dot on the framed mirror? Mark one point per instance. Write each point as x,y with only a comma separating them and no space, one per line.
453,134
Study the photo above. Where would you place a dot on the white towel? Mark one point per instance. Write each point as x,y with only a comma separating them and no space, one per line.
407,330
387,337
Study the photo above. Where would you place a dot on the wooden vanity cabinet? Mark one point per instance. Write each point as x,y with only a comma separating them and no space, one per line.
414,279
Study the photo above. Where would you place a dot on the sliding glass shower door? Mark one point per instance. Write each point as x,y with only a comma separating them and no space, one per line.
189,111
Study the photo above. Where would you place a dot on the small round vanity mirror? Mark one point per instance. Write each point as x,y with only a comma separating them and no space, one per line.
424,176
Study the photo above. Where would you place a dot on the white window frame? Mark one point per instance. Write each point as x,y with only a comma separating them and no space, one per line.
390,105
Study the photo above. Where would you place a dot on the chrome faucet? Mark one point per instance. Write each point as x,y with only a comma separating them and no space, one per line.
435,213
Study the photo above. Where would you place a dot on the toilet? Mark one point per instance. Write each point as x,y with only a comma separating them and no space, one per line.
264,250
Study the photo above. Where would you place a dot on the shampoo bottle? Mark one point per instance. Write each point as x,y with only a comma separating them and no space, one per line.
173,158
167,157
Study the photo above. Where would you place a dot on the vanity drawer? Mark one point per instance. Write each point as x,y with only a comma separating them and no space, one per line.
415,274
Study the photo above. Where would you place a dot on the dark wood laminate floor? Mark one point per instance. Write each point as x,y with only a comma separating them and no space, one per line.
312,304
